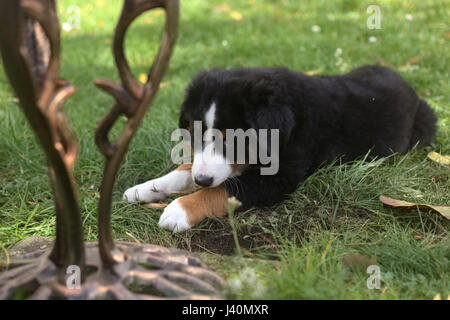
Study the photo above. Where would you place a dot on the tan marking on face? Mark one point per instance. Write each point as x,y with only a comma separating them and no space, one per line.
204,203
184,167
234,167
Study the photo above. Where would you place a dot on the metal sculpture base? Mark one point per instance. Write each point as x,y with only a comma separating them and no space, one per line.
147,272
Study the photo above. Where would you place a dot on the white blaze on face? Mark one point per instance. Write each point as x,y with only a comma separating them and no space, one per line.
208,163
210,116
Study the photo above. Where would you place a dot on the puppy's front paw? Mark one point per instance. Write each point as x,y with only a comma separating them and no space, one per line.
174,218
143,192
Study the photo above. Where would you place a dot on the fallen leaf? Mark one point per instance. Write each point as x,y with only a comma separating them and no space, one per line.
384,62
222,8
133,237
413,60
157,13
314,72
394,203
438,297
100,3
358,261
177,191
155,205
447,34
418,236
143,78
148,20
438,158
236,15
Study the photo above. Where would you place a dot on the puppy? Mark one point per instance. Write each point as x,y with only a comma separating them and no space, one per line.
317,119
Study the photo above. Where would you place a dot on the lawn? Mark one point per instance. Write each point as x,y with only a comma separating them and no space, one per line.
318,243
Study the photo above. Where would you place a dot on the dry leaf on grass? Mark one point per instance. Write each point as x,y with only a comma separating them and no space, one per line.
384,62
222,8
236,15
177,191
142,78
438,158
155,205
358,261
394,203
314,72
133,237
414,60
160,205
438,297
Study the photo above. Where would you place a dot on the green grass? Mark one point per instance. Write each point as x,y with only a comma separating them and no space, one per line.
297,247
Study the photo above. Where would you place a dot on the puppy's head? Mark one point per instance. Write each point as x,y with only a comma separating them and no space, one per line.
220,105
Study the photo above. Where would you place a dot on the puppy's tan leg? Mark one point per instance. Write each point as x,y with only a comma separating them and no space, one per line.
178,180
187,211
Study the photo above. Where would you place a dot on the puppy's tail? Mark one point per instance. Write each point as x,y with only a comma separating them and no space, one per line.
424,129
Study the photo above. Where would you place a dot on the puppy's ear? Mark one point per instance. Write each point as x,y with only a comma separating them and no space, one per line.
266,109
278,117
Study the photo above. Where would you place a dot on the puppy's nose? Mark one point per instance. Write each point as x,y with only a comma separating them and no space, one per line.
203,180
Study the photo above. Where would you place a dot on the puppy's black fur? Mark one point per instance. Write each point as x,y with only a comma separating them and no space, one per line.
319,118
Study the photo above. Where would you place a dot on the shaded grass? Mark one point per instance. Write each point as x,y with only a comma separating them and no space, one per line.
315,270
337,202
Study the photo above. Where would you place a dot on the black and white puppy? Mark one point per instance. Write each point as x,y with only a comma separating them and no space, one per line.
319,119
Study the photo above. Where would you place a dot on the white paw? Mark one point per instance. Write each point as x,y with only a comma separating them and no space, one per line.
174,218
176,180
143,192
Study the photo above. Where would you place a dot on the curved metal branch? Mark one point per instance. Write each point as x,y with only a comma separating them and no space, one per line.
132,100
33,23
45,13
